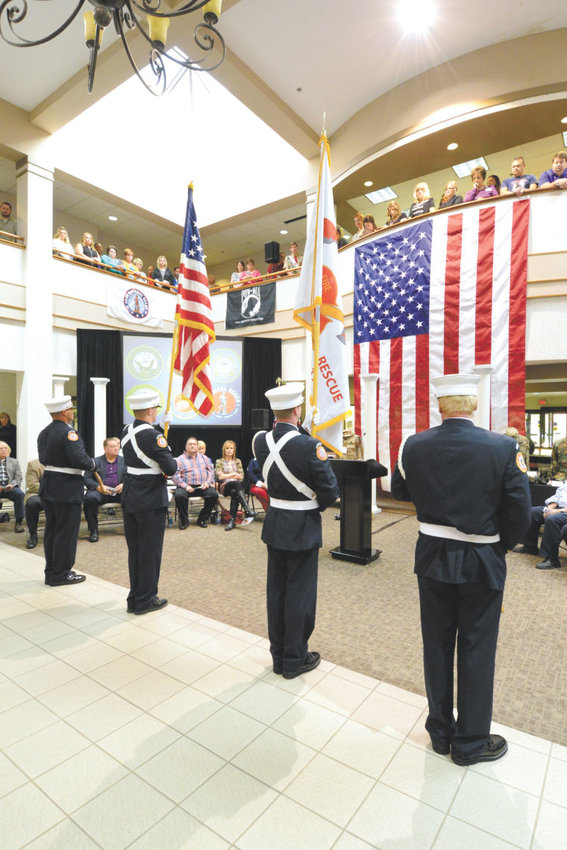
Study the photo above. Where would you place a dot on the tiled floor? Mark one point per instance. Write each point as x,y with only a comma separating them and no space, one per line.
170,731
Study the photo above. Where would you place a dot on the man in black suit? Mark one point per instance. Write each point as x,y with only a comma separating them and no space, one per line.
300,485
110,466
470,490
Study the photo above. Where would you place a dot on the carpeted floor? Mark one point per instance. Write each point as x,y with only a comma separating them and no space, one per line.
367,616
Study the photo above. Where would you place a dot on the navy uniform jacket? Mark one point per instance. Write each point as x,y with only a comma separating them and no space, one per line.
473,480
146,492
90,481
60,445
289,529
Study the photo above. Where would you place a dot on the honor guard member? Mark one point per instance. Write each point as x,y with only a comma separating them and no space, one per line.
62,452
301,484
470,490
144,500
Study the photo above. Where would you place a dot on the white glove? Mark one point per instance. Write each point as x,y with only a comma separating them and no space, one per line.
166,417
315,416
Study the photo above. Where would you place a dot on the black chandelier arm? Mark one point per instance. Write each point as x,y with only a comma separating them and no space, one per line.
15,14
156,61
150,7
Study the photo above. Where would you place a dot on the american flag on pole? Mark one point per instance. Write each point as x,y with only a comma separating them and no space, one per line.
436,297
194,319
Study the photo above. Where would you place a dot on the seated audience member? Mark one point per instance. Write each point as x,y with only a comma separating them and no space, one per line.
141,275
7,223
518,182
479,190
111,468
162,274
111,260
553,517
341,241
235,276
8,432
522,441
369,225
62,244
277,267
494,180
32,502
394,213
449,198
559,459
422,201
194,477
230,476
257,485
128,264
293,261
251,271
556,176
10,480
359,225
85,249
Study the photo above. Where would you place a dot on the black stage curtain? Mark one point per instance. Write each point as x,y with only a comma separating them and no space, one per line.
99,355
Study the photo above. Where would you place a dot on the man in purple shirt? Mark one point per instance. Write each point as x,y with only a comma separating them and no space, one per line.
195,476
556,176
110,467
519,182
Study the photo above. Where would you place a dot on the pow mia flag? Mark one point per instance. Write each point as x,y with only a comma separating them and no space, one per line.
255,305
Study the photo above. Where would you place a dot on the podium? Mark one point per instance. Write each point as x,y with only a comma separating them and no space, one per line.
354,478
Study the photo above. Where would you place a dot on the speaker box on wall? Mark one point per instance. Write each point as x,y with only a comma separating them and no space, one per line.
260,419
272,252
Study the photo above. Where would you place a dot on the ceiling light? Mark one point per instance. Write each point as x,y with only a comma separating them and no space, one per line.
564,120
369,182
112,218
565,140
386,194
416,16
453,146
463,169
125,14
284,232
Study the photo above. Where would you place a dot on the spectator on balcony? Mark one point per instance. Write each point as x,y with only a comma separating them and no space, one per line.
251,271
423,202
7,223
479,190
518,182
235,276
85,249
176,271
369,225
162,274
494,180
556,176
62,244
394,214
341,241
128,264
359,225
151,271
140,274
293,261
111,260
277,267
98,248
449,198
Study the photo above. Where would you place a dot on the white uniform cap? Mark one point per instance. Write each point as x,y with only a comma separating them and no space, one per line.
286,396
143,399
446,385
61,402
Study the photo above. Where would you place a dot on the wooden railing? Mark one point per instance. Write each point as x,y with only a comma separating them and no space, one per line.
11,237
112,271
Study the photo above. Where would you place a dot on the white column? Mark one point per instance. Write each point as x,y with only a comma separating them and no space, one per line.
35,223
99,413
59,385
482,416
369,428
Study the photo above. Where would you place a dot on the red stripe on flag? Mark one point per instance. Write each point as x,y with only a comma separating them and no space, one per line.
374,358
356,382
517,325
396,358
452,293
484,280
422,382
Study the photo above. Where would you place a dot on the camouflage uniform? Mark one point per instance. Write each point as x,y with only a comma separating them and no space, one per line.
524,445
559,460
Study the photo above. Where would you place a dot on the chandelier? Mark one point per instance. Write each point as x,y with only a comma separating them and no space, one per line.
129,15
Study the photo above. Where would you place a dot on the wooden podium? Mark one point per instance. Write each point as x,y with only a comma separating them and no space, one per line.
354,478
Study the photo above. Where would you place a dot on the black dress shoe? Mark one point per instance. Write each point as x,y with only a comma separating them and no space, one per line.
31,542
547,564
183,525
154,605
230,524
202,523
70,578
526,550
93,536
18,528
440,746
494,749
312,660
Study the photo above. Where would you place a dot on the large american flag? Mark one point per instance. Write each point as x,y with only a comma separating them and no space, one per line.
194,319
436,297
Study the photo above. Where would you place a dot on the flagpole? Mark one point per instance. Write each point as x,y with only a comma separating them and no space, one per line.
317,301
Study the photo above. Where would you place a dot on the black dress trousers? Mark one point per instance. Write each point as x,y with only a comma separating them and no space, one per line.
144,535
62,522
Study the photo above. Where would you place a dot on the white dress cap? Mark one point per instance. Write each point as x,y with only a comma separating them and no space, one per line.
61,402
143,399
286,396
446,385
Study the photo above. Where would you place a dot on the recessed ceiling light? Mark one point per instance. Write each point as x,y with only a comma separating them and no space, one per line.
416,16
463,169
379,195
564,120
284,232
112,218
369,182
453,146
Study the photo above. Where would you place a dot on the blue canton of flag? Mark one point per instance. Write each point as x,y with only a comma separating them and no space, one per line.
391,285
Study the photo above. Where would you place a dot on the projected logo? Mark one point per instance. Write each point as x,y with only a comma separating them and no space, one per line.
226,402
141,387
136,303
225,365
182,408
144,362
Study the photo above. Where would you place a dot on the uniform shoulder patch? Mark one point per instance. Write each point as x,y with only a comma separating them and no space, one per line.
162,442
321,452
520,462
73,436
